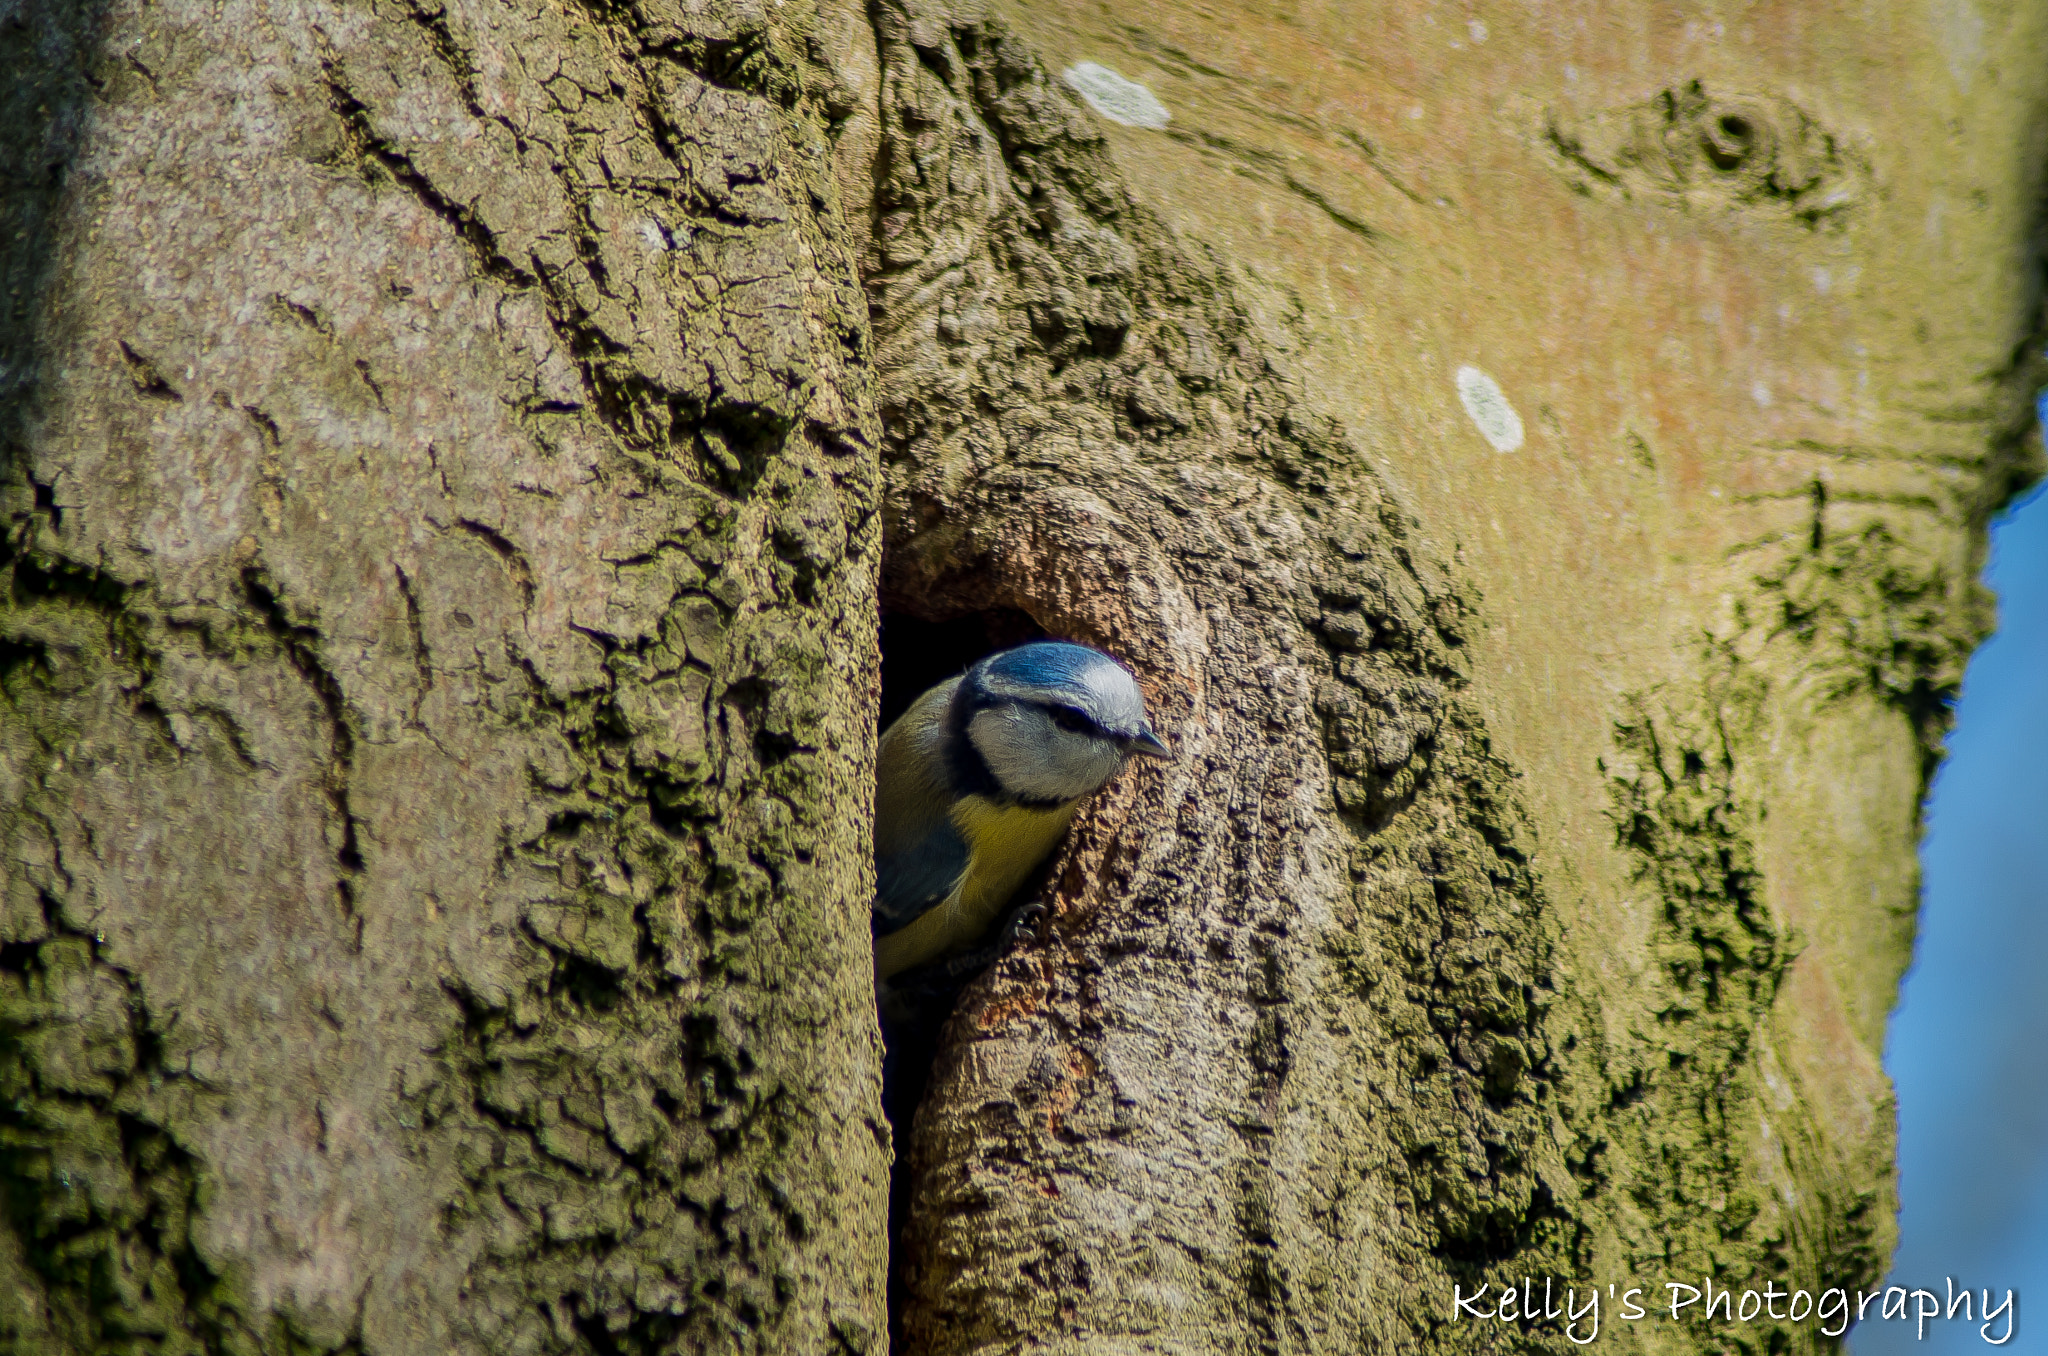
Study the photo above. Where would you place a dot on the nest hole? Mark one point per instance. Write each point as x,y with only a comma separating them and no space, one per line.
918,653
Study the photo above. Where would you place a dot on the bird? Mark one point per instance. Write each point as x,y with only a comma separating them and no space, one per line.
977,782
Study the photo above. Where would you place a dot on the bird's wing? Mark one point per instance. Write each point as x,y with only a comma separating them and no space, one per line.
919,855
915,878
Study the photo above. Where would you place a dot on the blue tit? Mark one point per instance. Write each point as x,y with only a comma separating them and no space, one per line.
978,780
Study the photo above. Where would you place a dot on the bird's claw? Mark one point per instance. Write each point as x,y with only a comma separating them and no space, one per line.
1021,917
937,982
967,964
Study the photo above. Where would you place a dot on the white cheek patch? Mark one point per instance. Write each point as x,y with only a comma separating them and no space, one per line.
1116,97
1489,409
1078,766
1032,757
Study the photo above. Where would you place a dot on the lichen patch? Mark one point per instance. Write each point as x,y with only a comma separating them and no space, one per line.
1489,409
1116,96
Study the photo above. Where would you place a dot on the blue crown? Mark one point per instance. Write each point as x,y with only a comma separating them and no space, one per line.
1048,664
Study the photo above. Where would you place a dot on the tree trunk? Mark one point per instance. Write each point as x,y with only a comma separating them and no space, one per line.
443,549
1537,465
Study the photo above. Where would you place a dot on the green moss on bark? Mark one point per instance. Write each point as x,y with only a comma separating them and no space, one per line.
434,918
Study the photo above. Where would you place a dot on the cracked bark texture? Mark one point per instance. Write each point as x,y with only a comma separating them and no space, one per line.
442,535
448,452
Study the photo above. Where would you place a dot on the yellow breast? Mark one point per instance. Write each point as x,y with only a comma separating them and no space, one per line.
1005,844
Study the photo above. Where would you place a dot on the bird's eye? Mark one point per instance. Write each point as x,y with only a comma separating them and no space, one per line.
1067,718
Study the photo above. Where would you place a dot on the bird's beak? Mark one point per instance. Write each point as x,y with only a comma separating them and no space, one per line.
1151,746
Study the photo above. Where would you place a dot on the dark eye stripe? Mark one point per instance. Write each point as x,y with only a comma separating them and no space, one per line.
1067,718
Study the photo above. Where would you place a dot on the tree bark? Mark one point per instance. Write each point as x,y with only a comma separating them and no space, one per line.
457,458
443,541
1549,935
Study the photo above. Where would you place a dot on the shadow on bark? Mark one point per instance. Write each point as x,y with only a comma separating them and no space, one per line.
917,653
47,52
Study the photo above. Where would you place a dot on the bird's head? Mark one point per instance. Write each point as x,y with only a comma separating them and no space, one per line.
1052,720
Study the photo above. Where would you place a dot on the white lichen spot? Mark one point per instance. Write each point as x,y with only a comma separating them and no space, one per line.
1488,405
1761,394
1960,30
1116,97
1415,111
656,238
1822,281
1477,30
1571,75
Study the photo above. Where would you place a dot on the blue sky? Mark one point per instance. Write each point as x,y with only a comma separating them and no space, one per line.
1968,1045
